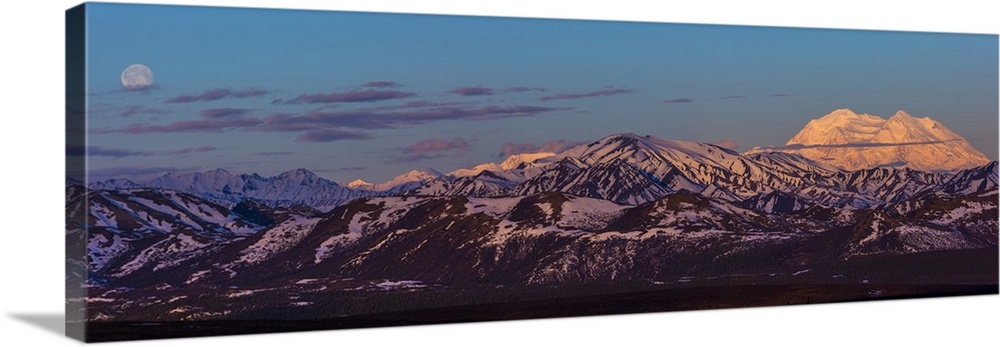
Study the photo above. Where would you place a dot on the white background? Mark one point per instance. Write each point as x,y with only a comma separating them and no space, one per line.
31,204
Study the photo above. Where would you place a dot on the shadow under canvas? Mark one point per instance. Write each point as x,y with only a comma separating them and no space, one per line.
51,322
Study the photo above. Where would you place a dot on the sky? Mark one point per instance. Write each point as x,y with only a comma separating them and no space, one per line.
364,95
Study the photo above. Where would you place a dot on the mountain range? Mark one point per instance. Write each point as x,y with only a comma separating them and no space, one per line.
622,208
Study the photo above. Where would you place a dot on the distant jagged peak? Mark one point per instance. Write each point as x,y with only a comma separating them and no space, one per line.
516,160
512,162
420,175
360,183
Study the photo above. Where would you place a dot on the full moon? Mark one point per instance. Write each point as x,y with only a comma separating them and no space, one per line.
136,77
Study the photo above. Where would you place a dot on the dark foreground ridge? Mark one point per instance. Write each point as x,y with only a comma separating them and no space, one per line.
923,275
718,297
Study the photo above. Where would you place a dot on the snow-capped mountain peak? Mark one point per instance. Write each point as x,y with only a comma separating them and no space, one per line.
852,142
302,176
408,180
360,183
293,187
425,174
512,162
842,126
517,160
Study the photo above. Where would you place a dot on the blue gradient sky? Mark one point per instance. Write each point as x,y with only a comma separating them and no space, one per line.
266,91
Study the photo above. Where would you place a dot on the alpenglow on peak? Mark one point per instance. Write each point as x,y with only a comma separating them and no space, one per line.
854,141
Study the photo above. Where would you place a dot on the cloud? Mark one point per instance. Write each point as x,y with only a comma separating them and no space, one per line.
132,110
605,92
218,94
381,119
380,84
435,145
678,100
326,125
734,97
330,135
779,95
472,91
367,95
211,125
479,91
218,113
98,151
524,89
554,146
247,93
201,149
727,144
419,104
269,154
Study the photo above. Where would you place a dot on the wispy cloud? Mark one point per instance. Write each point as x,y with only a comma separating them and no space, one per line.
270,154
734,97
201,149
98,151
380,84
218,113
678,100
326,124
472,91
525,89
218,94
379,119
554,146
210,125
779,95
605,92
330,135
367,95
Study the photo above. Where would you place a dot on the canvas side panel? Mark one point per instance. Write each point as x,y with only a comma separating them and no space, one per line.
76,178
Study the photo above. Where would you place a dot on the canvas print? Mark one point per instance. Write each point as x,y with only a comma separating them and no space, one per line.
235,171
